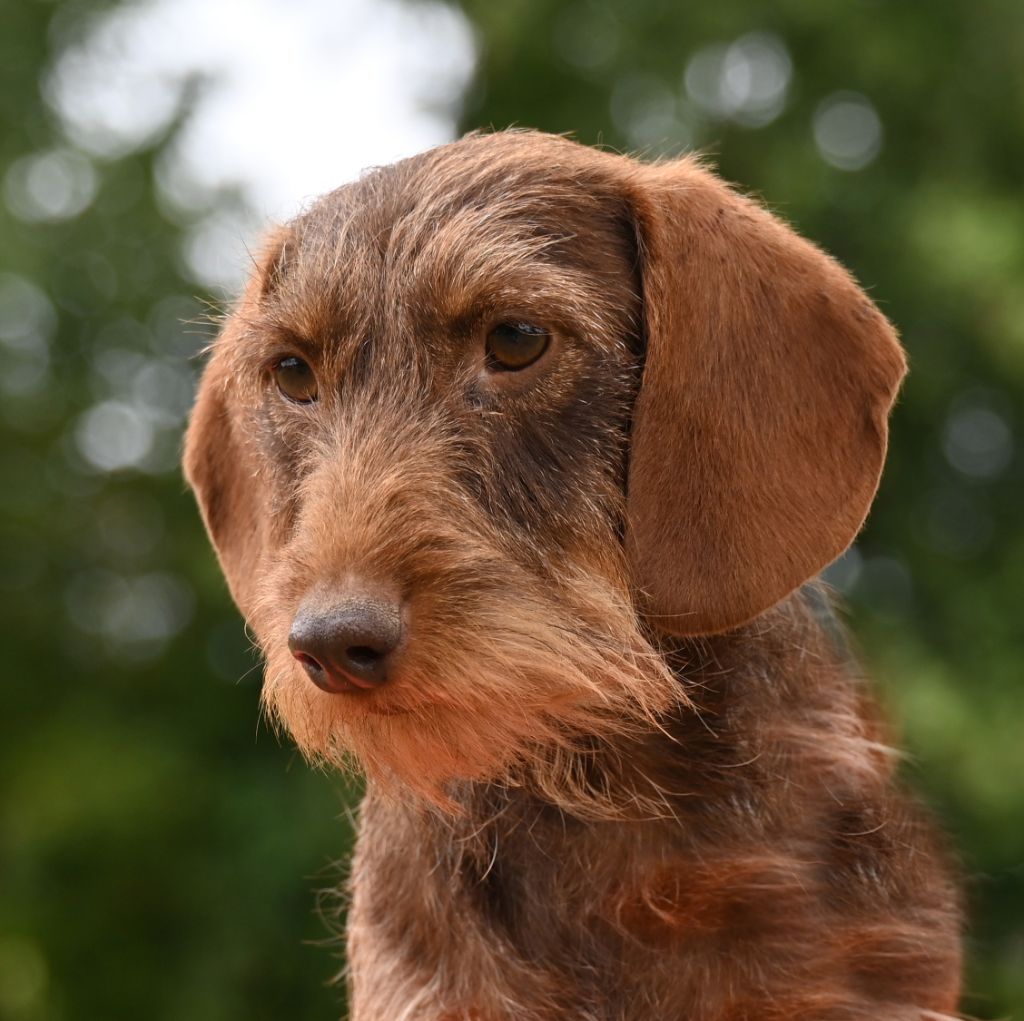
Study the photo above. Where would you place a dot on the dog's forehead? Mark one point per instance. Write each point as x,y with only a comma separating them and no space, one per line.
443,227
500,180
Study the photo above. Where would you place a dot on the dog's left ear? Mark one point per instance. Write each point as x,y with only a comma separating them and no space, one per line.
760,428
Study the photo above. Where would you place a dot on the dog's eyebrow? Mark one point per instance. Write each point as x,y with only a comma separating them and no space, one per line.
262,341
561,297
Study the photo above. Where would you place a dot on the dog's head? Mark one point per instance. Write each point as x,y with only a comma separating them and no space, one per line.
488,420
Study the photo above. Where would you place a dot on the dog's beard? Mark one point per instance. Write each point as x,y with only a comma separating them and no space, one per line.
504,683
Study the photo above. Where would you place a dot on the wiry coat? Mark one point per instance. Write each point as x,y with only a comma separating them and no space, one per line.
624,769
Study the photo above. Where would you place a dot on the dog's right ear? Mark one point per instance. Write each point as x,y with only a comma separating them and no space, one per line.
218,462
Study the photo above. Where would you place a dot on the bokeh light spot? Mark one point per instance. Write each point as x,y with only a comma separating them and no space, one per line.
27,320
847,130
136,614
113,435
27,316
746,81
50,186
644,109
977,442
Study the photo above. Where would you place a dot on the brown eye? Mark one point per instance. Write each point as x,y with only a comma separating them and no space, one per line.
514,346
295,380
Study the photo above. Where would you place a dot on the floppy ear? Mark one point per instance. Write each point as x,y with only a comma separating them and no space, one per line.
760,428
218,462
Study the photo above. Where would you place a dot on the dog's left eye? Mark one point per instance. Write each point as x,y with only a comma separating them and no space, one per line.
514,346
295,380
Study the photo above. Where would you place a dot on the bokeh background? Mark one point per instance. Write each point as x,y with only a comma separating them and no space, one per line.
160,850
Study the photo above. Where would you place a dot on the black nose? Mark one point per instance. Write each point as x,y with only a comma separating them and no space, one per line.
347,645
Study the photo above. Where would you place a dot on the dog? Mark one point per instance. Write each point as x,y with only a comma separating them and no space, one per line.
521,459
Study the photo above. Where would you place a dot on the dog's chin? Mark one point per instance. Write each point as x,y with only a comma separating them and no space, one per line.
496,712
404,739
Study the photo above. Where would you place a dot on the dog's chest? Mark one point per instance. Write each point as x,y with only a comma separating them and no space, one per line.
532,917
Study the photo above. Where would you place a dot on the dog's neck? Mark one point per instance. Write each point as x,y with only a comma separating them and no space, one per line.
777,697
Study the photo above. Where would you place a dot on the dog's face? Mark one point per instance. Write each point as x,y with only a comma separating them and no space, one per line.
487,418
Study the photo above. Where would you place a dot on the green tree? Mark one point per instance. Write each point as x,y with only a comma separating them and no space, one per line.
156,853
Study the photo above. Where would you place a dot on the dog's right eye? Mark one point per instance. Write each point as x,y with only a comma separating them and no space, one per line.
295,380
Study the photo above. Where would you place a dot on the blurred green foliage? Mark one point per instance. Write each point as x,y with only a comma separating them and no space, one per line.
158,857
158,850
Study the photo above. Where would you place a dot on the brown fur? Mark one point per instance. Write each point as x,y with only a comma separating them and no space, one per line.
624,770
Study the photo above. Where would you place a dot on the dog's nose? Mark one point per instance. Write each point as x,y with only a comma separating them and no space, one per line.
349,645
